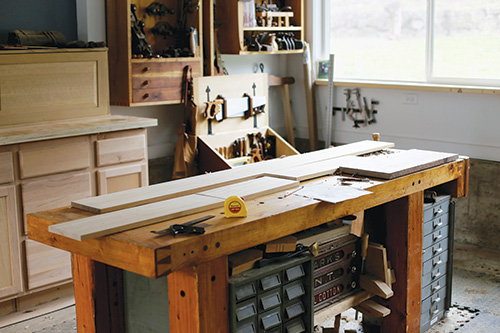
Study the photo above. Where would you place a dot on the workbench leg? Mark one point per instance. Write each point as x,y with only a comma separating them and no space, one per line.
98,296
404,223
198,298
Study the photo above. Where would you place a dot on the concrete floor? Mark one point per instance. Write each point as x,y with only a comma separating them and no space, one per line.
476,286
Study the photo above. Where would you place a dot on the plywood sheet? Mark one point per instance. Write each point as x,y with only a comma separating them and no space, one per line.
397,164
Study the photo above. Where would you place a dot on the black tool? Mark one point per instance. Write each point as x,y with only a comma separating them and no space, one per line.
185,228
299,249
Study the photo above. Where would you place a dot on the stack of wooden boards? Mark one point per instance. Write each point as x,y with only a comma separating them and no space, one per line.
143,206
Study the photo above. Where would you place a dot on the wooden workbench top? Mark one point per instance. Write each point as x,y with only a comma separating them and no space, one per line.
270,217
13,134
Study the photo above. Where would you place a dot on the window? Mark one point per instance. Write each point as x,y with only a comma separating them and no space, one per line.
435,41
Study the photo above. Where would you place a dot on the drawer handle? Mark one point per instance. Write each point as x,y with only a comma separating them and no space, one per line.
436,300
438,211
145,96
438,236
145,69
436,274
439,262
438,224
439,249
145,83
436,287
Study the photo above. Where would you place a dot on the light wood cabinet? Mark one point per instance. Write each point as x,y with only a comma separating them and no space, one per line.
156,80
237,32
48,174
10,281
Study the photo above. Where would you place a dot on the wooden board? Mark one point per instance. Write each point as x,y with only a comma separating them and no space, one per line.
251,189
105,224
397,164
180,187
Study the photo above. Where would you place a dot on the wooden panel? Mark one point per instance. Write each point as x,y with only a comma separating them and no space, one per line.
62,84
45,158
394,165
105,224
203,182
6,168
183,301
54,192
83,271
252,189
46,264
122,178
10,282
120,150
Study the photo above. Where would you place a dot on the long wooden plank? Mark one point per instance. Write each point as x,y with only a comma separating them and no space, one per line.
247,190
105,224
395,165
309,171
181,187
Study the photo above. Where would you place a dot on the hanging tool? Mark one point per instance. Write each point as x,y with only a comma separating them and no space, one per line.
361,107
185,228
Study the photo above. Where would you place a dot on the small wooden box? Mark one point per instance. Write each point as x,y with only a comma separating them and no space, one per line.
224,133
46,85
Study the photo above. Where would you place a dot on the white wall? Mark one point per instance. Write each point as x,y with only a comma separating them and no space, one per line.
463,123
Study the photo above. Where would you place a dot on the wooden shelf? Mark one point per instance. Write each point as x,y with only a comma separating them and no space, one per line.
272,52
276,29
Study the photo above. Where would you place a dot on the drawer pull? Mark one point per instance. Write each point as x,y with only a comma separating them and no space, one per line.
145,83
435,263
145,96
438,223
438,211
437,250
436,300
435,274
437,236
436,287
145,69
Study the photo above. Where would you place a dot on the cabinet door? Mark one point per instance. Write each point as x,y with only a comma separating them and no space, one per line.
10,282
122,178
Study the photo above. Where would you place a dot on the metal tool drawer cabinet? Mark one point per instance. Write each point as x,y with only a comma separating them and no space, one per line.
273,298
437,259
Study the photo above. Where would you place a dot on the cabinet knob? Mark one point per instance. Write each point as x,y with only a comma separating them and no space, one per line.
145,69
145,96
145,83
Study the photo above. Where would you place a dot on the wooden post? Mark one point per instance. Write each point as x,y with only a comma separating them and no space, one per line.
404,223
198,300
98,296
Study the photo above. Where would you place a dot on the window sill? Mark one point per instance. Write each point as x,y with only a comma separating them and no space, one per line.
413,86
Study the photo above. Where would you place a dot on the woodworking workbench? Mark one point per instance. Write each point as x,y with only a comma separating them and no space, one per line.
196,266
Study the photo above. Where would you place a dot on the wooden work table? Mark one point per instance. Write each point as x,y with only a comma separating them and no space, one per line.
197,267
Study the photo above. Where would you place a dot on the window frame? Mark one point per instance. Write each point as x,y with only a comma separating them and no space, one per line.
320,51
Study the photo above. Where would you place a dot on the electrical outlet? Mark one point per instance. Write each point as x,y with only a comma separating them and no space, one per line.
410,99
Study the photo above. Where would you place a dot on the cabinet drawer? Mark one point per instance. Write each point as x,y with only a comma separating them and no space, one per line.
435,262
122,178
55,156
438,208
120,150
434,287
435,249
6,168
434,275
55,191
435,237
46,265
435,224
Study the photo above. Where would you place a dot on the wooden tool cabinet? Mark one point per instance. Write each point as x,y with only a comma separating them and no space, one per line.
224,133
197,265
147,81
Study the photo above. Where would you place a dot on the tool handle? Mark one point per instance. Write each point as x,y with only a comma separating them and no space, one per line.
364,245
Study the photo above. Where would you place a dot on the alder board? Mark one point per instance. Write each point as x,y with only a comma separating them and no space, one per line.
251,189
397,164
125,219
181,187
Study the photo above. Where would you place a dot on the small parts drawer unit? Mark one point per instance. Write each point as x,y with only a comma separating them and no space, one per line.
273,298
336,270
437,259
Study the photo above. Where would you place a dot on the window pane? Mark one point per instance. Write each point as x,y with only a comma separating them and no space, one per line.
380,40
467,39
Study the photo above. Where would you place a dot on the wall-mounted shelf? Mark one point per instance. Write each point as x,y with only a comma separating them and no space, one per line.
149,80
236,34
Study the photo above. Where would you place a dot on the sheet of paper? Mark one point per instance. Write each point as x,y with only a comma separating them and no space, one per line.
330,191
